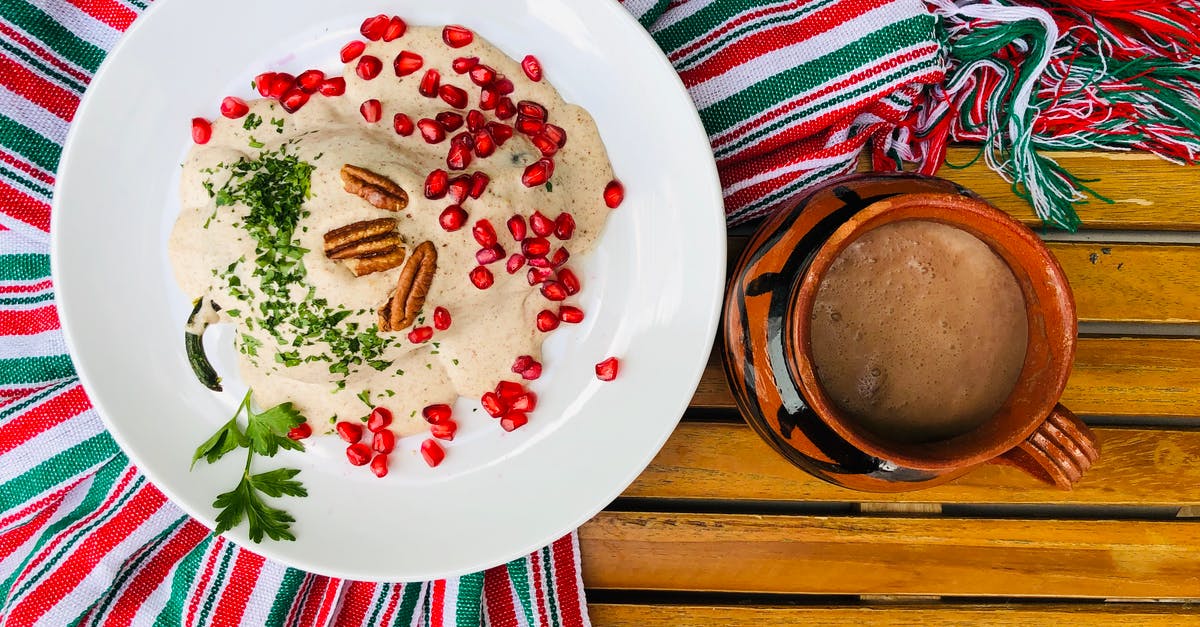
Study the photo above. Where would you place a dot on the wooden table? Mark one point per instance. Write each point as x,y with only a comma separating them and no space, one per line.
720,530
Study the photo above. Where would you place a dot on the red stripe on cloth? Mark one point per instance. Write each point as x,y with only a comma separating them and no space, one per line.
498,595
194,605
232,604
393,602
438,602
762,42
50,413
566,582
46,55
28,321
329,597
37,90
38,504
24,288
67,574
112,13
535,563
26,168
11,540
155,571
732,24
356,601
24,208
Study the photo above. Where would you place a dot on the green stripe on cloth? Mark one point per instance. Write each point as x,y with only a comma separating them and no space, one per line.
384,592
29,144
548,575
54,471
292,578
54,35
786,85
518,573
753,27
27,300
26,370
35,398
218,583
653,13
24,267
408,604
185,573
470,587
24,181
704,21
43,68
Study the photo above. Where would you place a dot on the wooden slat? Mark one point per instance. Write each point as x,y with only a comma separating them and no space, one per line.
1148,193
882,555
1112,376
705,461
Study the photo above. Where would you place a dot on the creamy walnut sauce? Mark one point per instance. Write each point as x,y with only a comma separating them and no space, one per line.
306,326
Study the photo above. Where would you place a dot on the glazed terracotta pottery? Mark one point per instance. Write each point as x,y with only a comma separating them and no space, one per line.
768,357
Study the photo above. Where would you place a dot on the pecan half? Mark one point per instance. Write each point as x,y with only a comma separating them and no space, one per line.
367,246
400,311
374,188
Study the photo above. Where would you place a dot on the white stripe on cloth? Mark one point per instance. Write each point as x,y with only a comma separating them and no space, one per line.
266,587
101,576
16,243
28,114
69,502
80,23
670,17
638,8
755,70
41,447
44,344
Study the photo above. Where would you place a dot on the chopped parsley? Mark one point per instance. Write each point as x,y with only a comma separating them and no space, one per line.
254,143
252,122
278,124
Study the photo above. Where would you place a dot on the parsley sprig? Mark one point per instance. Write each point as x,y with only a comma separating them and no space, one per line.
265,434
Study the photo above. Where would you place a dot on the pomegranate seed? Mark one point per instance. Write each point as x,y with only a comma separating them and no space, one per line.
431,130
484,144
479,182
607,369
543,143
201,130
555,133
368,67
293,99
379,465
407,63
484,233
452,218
335,86
280,85
492,404
383,442
524,402
436,183
456,36
459,156
373,27
522,363
352,50
614,193
540,224
429,83
513,420
508,390
546,321
531,109
233,107
420,335
553,290
310,80
380,418
564,226
503,86
488,98
539,262
537,275
500,132
482,75
505,108
570,314
349,431
475,120
529,126
462,65
538,172
560,257
514,263
441,318
488,255
460,186
358,454
532,372
395,29
449,120
371,110
263,83
444,431
569,281
436,414
535,247
453,96
300,431
403,124
432,453
532,67
516,226
481,277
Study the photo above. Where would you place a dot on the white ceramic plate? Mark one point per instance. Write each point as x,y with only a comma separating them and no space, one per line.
654,286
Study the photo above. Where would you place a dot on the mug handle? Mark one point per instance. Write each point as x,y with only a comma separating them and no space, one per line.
1058,452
